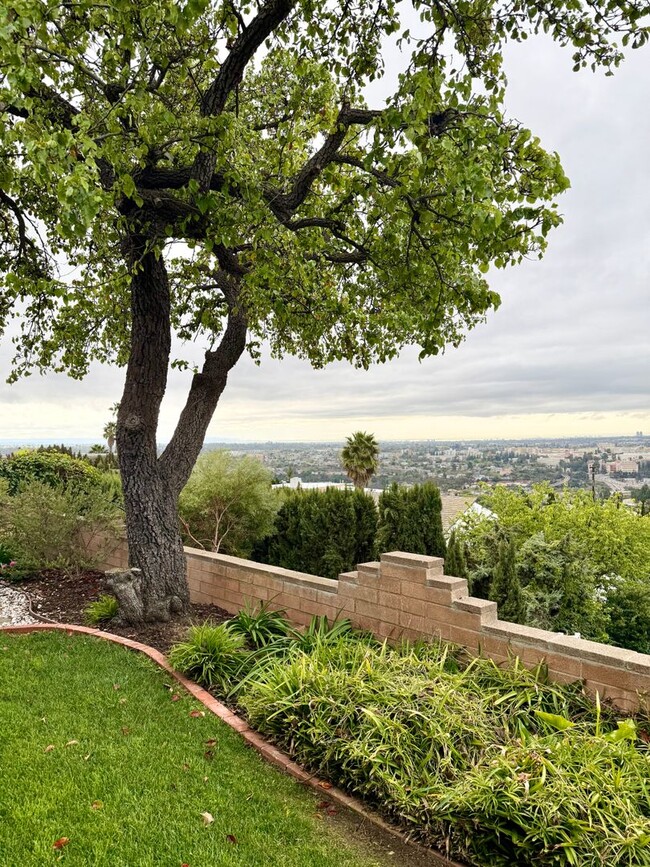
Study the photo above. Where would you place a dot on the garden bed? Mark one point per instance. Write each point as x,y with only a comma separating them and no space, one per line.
494,766
61,597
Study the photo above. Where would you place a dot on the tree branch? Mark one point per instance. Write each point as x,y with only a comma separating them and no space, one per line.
231,72
178,459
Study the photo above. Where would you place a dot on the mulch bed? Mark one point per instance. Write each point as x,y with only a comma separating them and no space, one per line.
63,598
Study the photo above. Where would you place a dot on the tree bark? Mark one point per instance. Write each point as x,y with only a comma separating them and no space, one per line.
151,484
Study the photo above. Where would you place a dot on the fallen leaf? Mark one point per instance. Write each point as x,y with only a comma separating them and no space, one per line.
208,755
122,701
186,767
71,743
211,742
97,805
645,737
126,730
208,818
325,785
185,864
87,757
331,811
49,748
176,697
60,843
323,805
231,839
205,779
116,686
197,713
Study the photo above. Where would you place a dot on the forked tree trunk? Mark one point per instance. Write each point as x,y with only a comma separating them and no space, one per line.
152,484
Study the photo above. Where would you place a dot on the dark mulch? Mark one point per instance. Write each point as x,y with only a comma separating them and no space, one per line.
61,597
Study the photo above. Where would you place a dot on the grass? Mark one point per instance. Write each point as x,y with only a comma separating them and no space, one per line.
94,748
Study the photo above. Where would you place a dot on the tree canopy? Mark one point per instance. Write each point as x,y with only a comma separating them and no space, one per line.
349,230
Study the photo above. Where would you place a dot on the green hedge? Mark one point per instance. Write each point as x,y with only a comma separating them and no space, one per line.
55,469
322,532
410,519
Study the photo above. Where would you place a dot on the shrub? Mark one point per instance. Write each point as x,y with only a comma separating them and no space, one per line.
5,554
470,760
102,610
62,528
322,532
53,468
260,627
410,519
227,504
628,612
214,656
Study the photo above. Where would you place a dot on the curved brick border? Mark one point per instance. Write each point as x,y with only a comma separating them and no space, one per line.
265,749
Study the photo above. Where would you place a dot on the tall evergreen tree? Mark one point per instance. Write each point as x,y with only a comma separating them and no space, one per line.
505,589
455,562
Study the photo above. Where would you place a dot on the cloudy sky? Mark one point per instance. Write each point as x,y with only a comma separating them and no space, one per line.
567,353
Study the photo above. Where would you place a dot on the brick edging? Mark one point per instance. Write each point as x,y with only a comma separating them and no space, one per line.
271,753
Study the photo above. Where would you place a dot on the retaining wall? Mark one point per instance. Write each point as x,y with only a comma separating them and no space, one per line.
409,595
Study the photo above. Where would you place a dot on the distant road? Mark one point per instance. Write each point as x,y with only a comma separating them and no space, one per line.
614,484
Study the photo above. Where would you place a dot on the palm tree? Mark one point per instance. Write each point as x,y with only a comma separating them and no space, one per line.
109,435
360,458
97,449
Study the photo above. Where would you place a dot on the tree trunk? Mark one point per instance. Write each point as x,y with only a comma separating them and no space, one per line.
155,544
152,484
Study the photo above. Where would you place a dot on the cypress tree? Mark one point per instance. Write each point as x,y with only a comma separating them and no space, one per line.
455,563
505,589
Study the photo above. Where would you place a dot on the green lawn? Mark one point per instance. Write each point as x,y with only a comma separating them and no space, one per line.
94,749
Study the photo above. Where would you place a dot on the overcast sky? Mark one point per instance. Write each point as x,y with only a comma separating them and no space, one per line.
567,353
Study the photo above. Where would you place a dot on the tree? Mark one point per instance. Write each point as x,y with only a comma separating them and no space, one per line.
227,504
110,429
198,185
322,532
455,562
97,449
642,497
360,458
505,588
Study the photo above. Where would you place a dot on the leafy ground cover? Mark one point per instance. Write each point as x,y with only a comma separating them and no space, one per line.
495,767
102,764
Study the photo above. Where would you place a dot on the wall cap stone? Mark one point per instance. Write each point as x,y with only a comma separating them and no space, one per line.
486,609
417,561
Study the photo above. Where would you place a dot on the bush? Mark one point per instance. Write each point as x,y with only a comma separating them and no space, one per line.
322,532
215,656
410,519
227,504
628,613
58,528
260,627
53,468
469,760
102,610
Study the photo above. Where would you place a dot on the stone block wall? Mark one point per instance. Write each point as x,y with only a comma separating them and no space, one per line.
409,595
